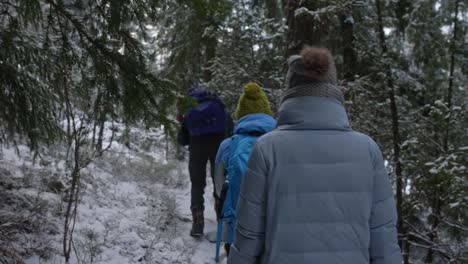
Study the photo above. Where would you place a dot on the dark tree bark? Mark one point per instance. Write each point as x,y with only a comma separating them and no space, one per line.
349,54
210,53
435,217
274,9
437,203
395,124
301,29
452,69
401,12
284,4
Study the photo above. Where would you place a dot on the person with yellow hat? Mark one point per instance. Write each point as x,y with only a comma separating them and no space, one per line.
254,119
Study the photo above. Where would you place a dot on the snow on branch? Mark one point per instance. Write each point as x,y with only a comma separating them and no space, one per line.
331,9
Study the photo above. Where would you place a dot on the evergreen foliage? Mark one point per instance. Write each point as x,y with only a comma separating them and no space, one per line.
87,51
403,67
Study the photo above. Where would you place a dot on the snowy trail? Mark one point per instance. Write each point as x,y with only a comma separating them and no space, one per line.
205,251
133,202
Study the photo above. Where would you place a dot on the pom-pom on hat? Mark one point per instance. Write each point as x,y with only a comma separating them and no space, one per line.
252,100
312,73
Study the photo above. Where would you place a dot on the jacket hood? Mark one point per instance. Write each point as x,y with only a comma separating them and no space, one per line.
258,122
199,93
312,113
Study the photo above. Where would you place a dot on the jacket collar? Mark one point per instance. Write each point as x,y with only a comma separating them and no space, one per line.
255,123
312,113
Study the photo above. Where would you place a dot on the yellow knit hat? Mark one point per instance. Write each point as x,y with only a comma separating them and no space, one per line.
252,100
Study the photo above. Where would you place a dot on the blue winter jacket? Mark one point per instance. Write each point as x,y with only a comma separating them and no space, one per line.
315,191
232,158
253,123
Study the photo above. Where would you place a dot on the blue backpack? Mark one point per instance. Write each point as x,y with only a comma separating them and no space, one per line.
208,116
241,145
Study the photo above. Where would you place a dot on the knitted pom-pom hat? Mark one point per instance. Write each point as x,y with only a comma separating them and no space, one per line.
252,100
312,73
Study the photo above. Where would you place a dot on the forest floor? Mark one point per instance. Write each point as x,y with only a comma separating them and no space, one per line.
134,206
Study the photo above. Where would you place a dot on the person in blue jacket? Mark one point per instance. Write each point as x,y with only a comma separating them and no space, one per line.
254,119
314,190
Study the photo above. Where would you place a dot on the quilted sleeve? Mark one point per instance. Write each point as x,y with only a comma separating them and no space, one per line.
384,247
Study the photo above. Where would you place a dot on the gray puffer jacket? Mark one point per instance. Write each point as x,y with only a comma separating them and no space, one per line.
315,191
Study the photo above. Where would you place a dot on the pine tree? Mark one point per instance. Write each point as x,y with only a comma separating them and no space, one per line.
402,65
88,51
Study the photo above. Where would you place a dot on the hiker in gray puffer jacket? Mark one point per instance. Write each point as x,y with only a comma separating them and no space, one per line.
314,190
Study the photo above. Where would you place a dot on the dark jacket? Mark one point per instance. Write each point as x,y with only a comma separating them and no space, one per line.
183,135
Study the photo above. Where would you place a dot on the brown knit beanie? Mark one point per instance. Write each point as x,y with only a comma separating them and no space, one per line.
312,73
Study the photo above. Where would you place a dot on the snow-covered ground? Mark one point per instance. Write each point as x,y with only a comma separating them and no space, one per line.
134,208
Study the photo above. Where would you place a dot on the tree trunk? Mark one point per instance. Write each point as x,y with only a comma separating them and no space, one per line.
436,208
274,10
96,111
433,233
406,256
72,193
453,47
349,54
210,53
102,123
395,124
402,12
301,30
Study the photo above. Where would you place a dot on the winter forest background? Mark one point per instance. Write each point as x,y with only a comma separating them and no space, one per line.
90,173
